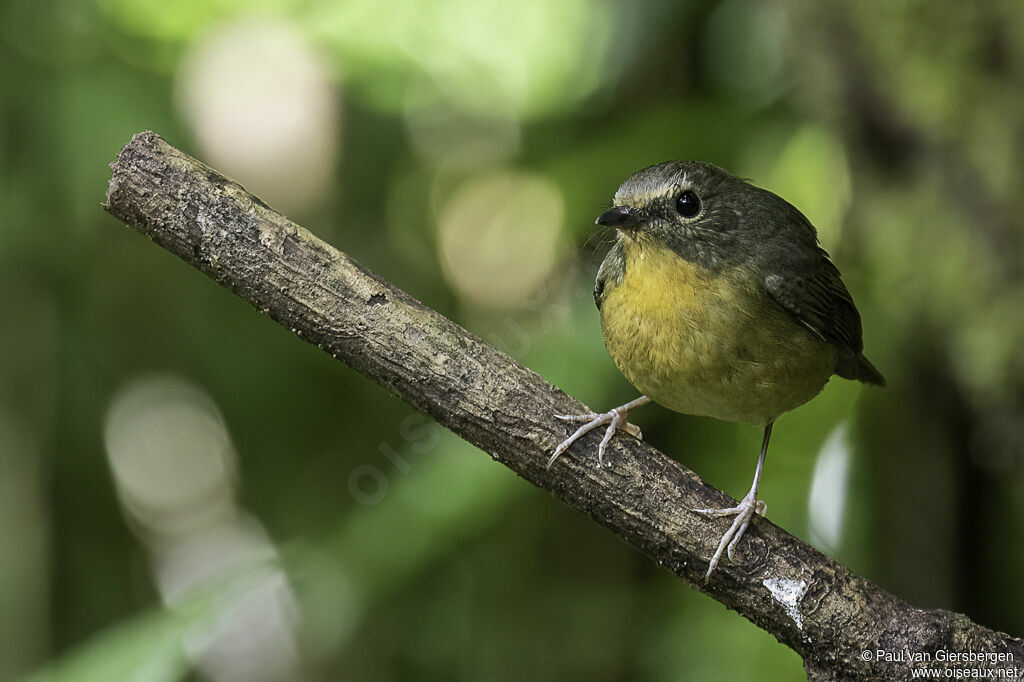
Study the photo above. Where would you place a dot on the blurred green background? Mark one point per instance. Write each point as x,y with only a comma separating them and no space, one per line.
189,492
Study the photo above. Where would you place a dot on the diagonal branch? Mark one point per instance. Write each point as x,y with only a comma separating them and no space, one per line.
814,605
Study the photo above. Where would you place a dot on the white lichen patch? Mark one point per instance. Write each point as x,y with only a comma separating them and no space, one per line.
788,593
414,334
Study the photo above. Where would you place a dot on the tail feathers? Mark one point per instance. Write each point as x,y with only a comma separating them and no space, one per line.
859,368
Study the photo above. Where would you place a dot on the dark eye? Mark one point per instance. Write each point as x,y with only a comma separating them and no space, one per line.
688,204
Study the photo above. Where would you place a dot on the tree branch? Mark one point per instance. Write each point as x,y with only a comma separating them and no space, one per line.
809,602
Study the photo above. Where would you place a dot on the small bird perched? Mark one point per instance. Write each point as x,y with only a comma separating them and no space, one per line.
717,300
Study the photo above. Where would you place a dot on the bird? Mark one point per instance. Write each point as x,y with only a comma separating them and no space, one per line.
716,299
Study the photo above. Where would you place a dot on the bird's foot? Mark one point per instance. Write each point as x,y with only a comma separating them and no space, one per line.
744,513
615,419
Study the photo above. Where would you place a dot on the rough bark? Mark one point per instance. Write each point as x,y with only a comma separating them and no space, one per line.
809,602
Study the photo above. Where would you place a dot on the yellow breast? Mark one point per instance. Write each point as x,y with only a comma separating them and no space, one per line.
708,344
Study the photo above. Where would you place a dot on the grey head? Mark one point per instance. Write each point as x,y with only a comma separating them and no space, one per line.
708,216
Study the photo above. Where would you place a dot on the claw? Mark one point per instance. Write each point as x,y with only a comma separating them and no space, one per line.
744,513
616,418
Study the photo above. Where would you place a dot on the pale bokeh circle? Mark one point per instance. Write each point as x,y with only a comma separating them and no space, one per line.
500,237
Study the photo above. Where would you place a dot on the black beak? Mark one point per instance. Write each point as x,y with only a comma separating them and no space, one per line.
620,217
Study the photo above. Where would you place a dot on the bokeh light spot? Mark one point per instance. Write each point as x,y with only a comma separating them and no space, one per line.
826,504
171,455
264,109
500,237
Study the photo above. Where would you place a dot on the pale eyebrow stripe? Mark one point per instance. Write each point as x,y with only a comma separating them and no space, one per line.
681,180
649,190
